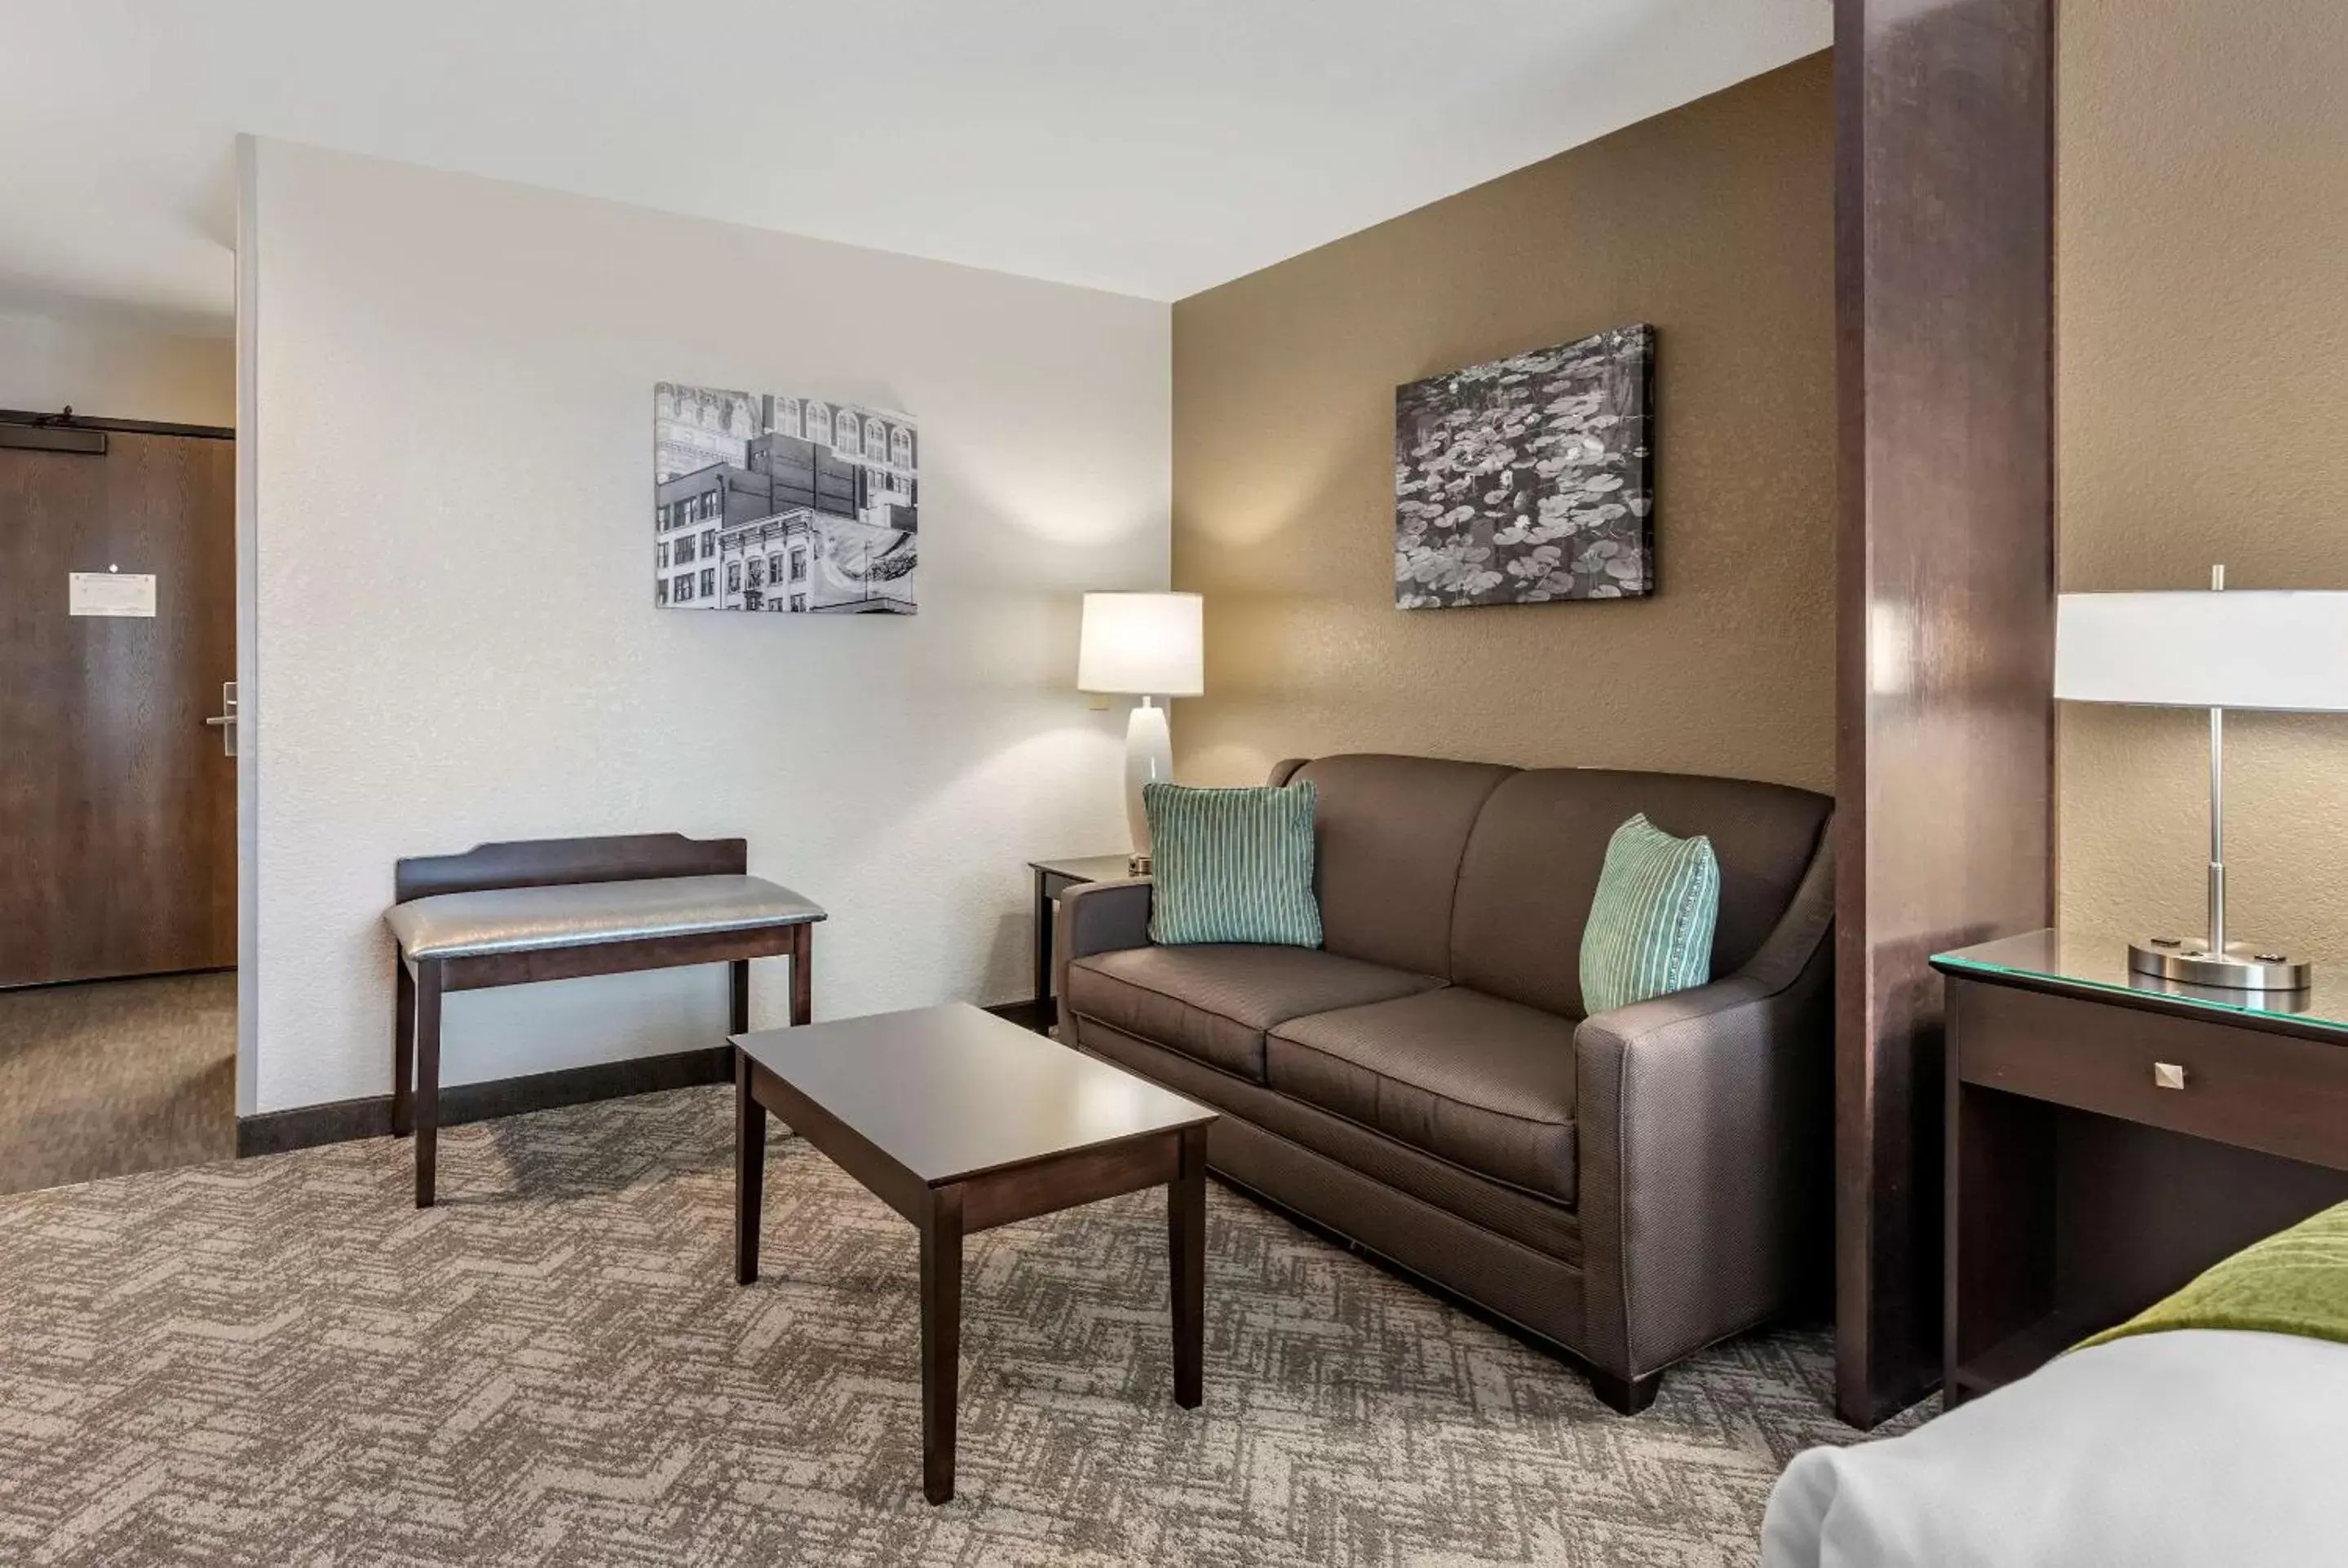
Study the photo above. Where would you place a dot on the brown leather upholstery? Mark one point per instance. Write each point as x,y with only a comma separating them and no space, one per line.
1448,1188
1100,917
1529,1287
1485,1083
1388,832
1630,1189
1214,1002
1532,864
1708,1136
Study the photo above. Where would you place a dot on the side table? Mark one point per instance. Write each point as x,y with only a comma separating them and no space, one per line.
2110,1135
1054,877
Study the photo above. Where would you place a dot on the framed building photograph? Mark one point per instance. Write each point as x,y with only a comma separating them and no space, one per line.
794,506
1530,478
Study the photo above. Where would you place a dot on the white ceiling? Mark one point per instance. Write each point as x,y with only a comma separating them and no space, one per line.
1149,146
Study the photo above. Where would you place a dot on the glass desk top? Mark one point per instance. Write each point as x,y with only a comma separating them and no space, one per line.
2096,961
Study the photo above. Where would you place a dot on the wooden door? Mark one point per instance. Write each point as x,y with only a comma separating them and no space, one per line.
118,803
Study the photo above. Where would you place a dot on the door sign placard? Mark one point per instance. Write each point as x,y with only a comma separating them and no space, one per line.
110,593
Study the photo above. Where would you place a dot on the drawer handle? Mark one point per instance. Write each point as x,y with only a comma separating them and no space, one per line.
2167,1075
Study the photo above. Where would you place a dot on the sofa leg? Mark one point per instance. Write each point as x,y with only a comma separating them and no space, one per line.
1625,1396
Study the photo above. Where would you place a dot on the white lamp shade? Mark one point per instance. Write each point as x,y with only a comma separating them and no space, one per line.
1148,644
2283,651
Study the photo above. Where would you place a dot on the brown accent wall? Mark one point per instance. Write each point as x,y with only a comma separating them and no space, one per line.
1715,222
2203,390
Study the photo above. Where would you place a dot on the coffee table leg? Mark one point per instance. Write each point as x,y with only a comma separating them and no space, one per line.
1186,1245
940,1340
749,1169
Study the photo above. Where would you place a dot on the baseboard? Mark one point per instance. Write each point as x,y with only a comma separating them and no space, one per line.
340,1121
306,1126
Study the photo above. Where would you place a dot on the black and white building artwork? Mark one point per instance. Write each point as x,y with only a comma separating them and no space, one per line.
790,505
1530,478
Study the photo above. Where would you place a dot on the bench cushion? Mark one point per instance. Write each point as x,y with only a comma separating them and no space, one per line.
581,914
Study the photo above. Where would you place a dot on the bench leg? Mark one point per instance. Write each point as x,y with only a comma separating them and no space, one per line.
802,982
738,1021
402,1047
428,1078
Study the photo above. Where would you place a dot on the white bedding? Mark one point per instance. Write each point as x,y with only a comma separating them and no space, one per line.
2191,1447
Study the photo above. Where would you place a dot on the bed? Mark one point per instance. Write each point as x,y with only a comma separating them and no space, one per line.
2212,1429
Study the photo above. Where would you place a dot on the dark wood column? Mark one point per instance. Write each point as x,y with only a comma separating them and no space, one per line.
1945,285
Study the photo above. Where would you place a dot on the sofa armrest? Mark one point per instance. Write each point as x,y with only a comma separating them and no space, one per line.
1723,1004
1705,1123
1103,917
1097,917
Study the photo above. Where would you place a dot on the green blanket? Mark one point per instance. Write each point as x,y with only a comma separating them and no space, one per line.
2294,1282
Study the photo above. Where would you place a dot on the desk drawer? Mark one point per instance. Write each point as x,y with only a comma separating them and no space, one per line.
2235,1083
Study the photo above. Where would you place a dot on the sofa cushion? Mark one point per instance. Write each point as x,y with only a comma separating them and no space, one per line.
1486,1083
1213,1002
1532,862
1542,1224
1391,831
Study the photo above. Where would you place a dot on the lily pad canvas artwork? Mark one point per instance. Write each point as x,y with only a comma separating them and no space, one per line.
1530,478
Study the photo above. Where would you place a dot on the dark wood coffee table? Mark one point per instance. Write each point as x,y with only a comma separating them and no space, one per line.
961,1122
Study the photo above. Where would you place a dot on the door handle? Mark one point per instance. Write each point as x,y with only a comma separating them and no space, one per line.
225,720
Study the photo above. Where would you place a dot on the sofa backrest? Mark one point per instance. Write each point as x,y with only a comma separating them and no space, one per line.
1391,832
1533,857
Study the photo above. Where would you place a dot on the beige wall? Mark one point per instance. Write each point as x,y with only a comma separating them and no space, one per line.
2202,277
1715,222
111,372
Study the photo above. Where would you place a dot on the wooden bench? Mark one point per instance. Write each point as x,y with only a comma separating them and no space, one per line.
558,909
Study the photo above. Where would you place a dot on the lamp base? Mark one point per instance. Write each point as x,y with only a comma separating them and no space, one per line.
2242,967
1149,758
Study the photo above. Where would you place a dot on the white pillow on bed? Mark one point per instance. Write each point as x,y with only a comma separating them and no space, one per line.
2191,1446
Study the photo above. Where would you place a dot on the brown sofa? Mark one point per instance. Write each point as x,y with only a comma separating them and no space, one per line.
1627,1188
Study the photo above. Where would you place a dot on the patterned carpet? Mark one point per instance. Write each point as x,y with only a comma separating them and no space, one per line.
113,1076
279,1361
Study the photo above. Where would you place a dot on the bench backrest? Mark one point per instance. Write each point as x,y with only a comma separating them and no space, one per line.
542,862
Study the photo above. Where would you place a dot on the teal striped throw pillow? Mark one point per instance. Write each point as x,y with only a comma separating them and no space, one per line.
1231,864
1650,923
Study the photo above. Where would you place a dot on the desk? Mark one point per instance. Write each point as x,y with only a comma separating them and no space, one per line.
2111,1135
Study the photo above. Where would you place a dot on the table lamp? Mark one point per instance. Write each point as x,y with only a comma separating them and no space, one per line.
1149,645
2279,651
